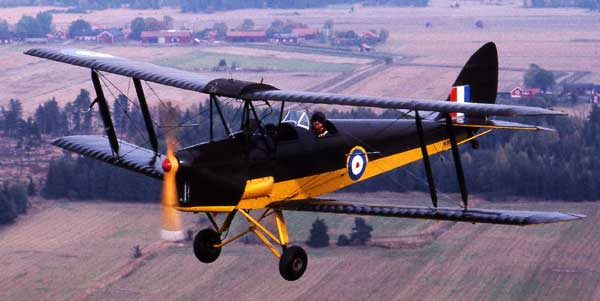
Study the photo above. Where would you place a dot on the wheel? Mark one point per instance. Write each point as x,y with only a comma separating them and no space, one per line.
292,263
203,245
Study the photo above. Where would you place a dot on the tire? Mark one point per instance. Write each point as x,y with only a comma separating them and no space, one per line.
293,263
203,245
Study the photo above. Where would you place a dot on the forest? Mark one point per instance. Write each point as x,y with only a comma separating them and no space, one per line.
553,165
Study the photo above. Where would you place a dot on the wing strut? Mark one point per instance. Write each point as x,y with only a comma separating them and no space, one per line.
457,163
146,113
430,180
215,100
105,113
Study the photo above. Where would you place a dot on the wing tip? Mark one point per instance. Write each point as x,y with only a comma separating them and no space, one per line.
553,217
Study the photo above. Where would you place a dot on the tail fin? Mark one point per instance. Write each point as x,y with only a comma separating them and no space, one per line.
480,73
478,79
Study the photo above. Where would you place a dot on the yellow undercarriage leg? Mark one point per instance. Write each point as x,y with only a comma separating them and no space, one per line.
281,228
266,242
264,234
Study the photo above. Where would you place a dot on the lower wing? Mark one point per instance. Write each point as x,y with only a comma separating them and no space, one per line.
472,215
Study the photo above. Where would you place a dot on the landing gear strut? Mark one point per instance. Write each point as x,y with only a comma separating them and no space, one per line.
292,259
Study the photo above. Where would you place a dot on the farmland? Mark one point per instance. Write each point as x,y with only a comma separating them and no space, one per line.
562,40
69,250
83,250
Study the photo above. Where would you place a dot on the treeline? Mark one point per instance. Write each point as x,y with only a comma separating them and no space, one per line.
83,178
546,165
14,201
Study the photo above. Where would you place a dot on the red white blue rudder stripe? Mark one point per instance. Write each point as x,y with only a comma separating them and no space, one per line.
460,94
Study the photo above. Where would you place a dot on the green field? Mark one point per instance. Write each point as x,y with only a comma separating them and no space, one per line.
202,61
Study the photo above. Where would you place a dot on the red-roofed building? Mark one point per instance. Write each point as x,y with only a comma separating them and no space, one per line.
247,36
306,33
519,92
369,35
166,37
110,36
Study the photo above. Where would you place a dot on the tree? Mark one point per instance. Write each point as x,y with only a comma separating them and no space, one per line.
247,24
18,195
79,28
31,187
361,232
8,210
591,129
537,77
120,112
3,27
319,237
47,117
82,104
44,20
28,27
152,24
221,29
343,241
167,22
12,117
137,26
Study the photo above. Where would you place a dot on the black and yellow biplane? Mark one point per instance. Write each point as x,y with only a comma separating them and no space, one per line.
280,166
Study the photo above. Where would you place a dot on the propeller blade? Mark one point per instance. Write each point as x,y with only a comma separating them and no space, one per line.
171,221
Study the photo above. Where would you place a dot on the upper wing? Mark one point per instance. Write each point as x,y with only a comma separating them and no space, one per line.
258,91
132,157
126,67
489,216
474,109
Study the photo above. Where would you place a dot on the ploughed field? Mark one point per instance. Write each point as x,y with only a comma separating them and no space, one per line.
84,251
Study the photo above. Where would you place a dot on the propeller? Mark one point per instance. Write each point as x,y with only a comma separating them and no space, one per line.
170,221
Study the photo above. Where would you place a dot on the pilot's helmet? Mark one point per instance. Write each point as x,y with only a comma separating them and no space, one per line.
318,116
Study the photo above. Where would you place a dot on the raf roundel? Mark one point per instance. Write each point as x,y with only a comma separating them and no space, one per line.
357,163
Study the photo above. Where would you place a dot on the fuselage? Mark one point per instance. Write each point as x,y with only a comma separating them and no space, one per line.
289,162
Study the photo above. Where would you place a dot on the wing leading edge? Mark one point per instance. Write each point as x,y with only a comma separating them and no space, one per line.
132,157
488,216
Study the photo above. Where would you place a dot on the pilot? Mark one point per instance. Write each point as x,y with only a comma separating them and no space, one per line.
317,122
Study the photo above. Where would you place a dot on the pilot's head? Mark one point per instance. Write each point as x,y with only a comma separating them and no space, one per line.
317,122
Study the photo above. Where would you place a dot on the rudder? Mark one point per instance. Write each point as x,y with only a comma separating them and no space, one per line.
480,74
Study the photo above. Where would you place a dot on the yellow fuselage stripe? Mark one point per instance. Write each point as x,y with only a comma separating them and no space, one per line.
315,185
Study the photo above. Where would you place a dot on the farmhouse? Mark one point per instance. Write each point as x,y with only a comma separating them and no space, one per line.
306,33
519,92
110,36
166,37
247,36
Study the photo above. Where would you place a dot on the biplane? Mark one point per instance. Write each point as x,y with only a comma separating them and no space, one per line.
270,168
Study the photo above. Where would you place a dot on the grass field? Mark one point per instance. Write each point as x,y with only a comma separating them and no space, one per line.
202,61
68,250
